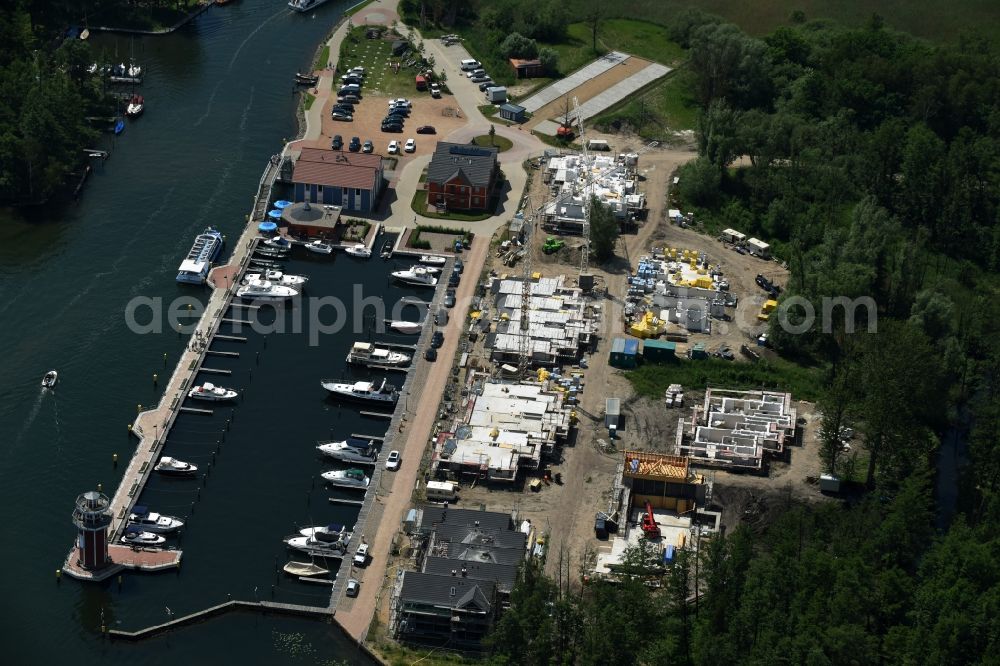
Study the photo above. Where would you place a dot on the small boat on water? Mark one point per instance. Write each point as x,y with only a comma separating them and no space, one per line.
263,263
136,105
119,127
279,242
50,379
285,279
345,452
272,254
207,246
366,353
363,391
135,536
386,250
266,291
330,533
417,276
359,250
406,327
304,569
121,73
347,478
304,5
306,79
144,519
319,247
317,546
432,260
174,467
212,392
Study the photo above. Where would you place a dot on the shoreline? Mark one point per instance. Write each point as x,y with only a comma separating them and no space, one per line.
202,8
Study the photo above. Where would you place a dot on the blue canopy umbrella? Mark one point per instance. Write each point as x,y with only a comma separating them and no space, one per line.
280,204
267,227
275,215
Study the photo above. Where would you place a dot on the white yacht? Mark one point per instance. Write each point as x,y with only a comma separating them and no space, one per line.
406,327
279,242
175,467
347,478
150,521
277,277
344,452
212,392
319,247
331,532
318,545
432,260
363,391
266,291
135,536
417,276
359,250
366,353
304,5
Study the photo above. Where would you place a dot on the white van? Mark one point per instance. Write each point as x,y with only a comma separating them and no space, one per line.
442,491
469,65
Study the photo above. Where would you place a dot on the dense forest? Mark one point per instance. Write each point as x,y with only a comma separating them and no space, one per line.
871,161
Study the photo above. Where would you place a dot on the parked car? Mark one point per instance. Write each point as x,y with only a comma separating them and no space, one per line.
394,147
437,339
431,354
435,90
348,79
355,144
410,146
396,128
459,266
369,147
348,99
475,72
426,129
353,587
449,298
469,65
342,108
488,83
337,143
392,462
358,68
361,555
399,111
400,101
340,115
481,78
454,279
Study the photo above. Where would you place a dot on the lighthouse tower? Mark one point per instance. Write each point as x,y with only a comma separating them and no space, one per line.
92,519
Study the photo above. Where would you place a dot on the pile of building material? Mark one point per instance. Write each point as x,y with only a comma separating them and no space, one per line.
735,429
674,396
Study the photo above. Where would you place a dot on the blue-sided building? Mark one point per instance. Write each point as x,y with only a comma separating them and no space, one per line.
353,181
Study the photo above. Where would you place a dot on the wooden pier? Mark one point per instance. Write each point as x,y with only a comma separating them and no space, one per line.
122,558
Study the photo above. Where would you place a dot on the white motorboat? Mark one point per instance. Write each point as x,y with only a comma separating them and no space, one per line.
150,521
433,270
135,536
363,391
319,247
50,379
347,478
317,546
175,467
407,327
359,250
417,276
278,242
329,533
304,5
212,392
266,291
432,260
345,452
366,353
284,279
304,569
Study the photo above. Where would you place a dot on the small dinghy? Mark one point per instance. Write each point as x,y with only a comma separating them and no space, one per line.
386,250
406,327
432,260
305,569
50,379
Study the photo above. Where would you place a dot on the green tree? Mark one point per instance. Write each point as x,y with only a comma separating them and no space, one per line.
549,59
517,45
603,230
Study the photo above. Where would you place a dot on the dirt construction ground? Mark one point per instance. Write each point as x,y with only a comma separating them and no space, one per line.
556,109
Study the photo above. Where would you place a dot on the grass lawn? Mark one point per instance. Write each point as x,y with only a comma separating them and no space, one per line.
665,107
639,38
652,380
375,55
322,58
419,206
500,143
307,101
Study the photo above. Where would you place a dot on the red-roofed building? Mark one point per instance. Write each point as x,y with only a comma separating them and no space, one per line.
527,69
352,181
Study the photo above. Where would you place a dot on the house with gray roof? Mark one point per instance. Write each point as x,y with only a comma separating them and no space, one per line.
462,176
444,609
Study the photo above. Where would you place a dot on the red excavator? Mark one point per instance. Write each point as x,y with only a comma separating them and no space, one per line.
649,526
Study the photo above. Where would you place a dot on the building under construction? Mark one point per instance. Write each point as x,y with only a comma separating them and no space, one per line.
574,177
505,427
736,429
561,322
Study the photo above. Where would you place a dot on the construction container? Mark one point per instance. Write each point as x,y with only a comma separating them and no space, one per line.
698,351
657,351
612,412
733,236
759,248
829,483
624,353
442,491
601,526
